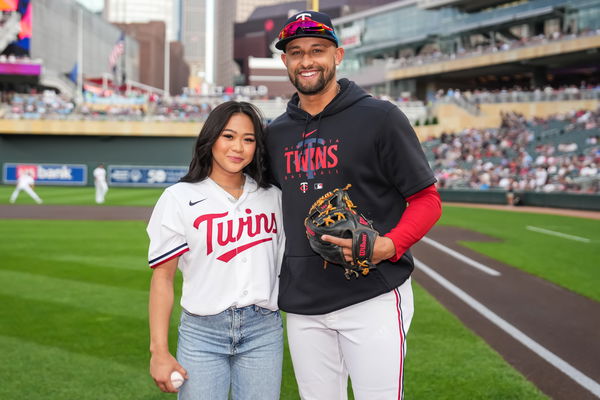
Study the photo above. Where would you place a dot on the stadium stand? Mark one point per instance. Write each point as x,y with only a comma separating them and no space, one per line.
556,154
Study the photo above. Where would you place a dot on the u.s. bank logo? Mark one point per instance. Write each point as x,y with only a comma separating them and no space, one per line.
303,187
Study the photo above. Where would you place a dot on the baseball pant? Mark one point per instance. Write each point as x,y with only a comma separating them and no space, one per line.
366,340
29,191
101,189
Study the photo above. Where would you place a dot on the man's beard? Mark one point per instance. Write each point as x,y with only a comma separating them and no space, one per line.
317,87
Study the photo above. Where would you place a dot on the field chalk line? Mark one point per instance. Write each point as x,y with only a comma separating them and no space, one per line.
559,234
461,257
563,366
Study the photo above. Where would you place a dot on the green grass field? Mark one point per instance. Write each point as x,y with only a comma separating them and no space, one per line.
571,264
73,321
117,196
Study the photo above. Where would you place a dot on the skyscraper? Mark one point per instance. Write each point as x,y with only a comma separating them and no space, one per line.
207,36
245,7
127,11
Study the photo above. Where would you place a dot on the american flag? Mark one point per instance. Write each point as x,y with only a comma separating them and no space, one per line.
117,50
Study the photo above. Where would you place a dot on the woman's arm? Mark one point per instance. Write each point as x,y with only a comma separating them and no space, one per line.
160,306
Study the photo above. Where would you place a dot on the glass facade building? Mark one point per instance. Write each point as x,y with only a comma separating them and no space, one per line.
406,29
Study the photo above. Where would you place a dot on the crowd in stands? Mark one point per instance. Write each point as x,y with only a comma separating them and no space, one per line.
517,94
559,153
432,54
130,107
556,154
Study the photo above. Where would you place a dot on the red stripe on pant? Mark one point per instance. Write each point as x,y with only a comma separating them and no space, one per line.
402,336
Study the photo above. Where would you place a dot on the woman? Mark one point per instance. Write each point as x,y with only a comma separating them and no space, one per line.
221,226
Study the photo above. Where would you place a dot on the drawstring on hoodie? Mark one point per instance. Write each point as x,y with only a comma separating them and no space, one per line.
307,121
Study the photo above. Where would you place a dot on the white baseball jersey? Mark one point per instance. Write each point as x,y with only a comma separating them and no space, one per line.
100,174
25,181
230,250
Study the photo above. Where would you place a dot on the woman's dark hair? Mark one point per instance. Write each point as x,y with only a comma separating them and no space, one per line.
201,163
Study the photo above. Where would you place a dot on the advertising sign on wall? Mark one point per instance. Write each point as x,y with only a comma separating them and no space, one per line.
47,174
137,175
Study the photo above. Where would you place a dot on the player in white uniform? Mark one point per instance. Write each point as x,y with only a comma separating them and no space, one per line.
25,182
100,183
221,225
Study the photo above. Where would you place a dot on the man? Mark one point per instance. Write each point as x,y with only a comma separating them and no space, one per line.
100,183
333,133
26,183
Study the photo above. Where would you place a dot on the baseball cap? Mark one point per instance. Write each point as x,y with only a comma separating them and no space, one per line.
306,24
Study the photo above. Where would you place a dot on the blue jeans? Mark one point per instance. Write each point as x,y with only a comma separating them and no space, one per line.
239,349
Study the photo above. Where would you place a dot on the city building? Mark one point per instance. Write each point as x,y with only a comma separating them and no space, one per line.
207,37
246,7
140,11
151,40
65,40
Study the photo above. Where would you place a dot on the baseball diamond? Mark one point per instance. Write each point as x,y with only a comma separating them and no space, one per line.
513,311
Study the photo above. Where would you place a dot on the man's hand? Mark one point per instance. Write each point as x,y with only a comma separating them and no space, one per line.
382,250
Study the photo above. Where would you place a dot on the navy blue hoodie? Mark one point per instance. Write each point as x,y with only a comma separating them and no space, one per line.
356,139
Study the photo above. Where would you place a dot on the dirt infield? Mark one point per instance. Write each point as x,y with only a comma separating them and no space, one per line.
546,332
535,210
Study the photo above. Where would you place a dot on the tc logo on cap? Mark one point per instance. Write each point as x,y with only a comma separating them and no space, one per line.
303,15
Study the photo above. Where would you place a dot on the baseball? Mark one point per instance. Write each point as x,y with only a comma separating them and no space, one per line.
176,379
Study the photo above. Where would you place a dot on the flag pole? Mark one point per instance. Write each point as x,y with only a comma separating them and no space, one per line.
167,74
79,94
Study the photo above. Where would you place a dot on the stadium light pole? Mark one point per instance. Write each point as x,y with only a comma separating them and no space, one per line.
167,74
78,95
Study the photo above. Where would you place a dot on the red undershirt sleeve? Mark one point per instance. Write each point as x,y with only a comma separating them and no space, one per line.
423,211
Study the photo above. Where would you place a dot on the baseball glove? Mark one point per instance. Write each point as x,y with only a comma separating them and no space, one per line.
336,215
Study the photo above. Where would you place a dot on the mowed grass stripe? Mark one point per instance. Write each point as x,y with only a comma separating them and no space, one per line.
85,195
102,335
88,297
444,358
111,253
567,263
38,372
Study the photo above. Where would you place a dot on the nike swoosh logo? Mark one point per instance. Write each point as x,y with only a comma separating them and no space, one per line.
309,133
193,203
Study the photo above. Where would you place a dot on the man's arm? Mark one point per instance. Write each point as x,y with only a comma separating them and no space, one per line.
423,211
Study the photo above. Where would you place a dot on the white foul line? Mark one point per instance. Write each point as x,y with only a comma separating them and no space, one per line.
461,257
559,234
541,351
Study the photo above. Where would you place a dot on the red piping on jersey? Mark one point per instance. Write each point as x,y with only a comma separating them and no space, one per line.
170,258
423,211
232,253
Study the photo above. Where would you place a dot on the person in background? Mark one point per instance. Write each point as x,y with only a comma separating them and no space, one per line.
332,134
221,225
26,183
100,183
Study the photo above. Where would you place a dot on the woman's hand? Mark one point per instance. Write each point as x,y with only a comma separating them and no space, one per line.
161,367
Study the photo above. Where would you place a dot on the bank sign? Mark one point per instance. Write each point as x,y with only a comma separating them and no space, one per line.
47,174
136,175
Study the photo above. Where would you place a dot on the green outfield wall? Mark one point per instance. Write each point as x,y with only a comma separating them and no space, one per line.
575,201
92,150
